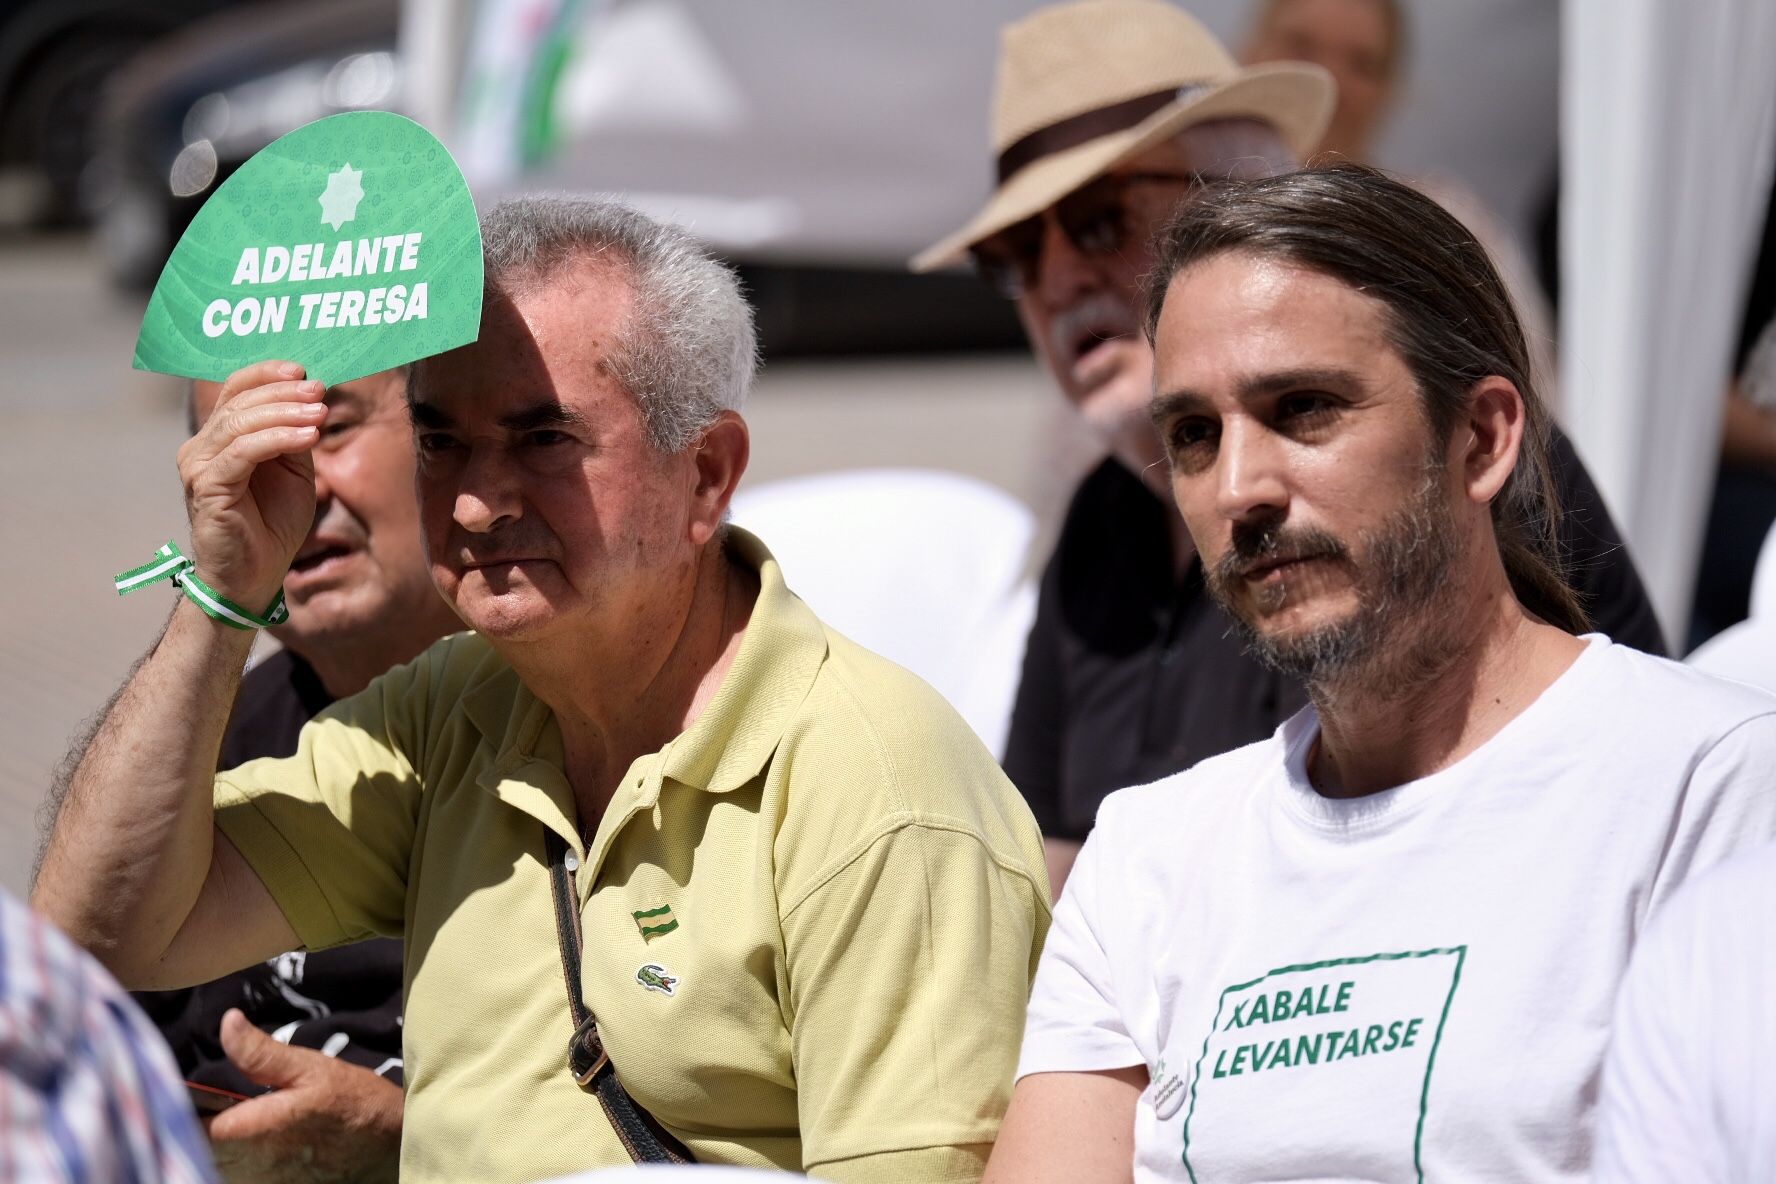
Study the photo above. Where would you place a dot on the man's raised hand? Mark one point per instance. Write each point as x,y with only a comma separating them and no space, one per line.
249,480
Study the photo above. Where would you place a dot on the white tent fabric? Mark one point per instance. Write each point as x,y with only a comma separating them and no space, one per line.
1669,130
927,569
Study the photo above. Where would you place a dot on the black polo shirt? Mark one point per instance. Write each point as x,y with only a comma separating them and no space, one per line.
346,1001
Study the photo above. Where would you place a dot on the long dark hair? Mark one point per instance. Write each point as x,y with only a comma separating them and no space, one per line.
1448,314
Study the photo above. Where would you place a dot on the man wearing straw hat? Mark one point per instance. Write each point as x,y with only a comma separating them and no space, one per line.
1107,115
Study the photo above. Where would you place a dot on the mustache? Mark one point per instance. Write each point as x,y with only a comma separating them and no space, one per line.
1252,543
1091,315
474,549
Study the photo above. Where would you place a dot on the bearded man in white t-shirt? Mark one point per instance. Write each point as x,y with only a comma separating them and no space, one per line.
1385,943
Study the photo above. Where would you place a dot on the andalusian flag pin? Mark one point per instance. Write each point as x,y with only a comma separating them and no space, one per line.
349,245
657,922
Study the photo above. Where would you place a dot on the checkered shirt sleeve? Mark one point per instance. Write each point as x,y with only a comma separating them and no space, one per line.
88,1091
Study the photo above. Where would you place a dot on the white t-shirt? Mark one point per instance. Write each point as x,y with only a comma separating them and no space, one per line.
1689,1089
1413,985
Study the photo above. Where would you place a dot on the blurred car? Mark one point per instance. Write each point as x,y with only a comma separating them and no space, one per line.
819,229
54,57
189,110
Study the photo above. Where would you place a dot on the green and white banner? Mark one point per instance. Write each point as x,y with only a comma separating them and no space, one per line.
350,245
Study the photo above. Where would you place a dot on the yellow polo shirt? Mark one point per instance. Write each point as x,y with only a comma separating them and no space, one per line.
811,921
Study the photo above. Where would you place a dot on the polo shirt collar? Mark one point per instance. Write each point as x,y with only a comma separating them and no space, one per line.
737,732
772,674
526,770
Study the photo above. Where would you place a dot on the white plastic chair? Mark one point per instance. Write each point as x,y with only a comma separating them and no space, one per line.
925,568
1746,652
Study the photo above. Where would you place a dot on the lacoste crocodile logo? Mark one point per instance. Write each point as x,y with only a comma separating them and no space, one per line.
654,977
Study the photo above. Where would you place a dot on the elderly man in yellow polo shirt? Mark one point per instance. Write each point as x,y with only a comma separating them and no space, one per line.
680,872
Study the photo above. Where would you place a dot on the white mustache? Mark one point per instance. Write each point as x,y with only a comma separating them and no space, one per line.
1090,315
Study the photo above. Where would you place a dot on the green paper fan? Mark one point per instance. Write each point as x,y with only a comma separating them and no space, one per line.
349,245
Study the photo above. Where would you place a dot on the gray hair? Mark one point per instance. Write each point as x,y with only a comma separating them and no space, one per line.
689,350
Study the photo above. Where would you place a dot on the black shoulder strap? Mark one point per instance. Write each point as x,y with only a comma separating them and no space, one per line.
642,1135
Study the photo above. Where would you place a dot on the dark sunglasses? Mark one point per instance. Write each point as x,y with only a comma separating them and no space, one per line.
1094,219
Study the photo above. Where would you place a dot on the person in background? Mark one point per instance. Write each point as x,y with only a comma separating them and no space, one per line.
88,1094
1366,46
1302,960
1361,43
1107,115
1744,501
321,1029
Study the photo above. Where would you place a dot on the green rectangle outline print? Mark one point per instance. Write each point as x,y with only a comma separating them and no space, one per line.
1461,954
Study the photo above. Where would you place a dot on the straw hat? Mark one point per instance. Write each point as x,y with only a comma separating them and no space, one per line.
1084,87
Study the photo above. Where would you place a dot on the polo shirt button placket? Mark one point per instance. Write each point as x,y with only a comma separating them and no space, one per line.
639,800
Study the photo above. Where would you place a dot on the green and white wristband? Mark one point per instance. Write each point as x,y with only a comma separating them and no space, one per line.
169,563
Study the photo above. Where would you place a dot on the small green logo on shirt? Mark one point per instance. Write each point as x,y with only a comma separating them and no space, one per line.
654,977
656,922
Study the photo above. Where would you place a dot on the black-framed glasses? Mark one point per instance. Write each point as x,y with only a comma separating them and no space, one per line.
1095,219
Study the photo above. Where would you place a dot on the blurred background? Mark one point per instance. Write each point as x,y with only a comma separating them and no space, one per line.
816,145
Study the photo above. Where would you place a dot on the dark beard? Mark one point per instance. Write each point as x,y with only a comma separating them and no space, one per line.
1403,567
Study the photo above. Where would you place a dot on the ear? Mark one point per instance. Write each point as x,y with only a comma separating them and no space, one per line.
718,461
1495,423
